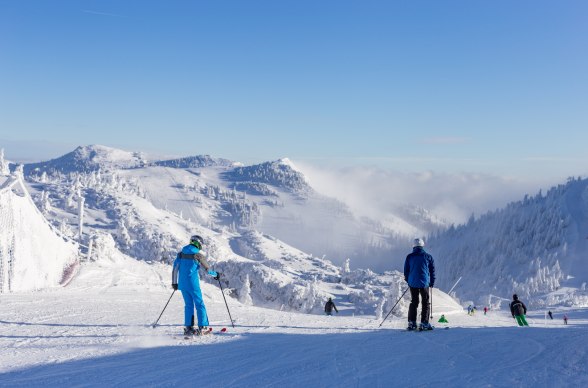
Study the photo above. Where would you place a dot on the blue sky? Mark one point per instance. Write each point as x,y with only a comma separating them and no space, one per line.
499,87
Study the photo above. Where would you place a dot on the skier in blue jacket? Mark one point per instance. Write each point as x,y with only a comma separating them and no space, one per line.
419,273
186,279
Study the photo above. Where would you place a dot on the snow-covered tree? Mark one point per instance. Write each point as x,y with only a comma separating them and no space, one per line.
4,167
19,171
104,247
380,308
346,266
45,203
245,291
123,237
65,229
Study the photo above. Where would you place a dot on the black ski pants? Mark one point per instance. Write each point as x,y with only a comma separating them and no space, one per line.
414,304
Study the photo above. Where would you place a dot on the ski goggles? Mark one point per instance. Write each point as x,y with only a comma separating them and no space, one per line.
197,244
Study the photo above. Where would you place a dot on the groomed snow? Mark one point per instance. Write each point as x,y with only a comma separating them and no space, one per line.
96,332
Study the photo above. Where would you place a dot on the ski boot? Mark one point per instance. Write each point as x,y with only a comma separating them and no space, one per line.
411,326
425,326
202,330
189,332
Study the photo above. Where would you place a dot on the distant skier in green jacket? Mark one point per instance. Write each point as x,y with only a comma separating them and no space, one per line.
518,310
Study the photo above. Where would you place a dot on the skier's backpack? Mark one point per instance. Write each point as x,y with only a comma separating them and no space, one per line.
518,308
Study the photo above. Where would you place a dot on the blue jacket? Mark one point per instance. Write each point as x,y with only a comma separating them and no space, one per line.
419,269
185,272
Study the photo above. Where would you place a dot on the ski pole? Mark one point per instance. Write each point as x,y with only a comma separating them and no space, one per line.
399,299
155,324
431,289
223,292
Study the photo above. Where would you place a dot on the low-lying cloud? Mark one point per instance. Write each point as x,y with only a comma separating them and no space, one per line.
375,192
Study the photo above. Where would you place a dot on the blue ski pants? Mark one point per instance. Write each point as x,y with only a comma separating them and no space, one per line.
193,300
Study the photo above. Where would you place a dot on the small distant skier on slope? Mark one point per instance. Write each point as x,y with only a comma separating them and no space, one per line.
565,318
550,314
485,310
518,310
419,273
329,306
186,279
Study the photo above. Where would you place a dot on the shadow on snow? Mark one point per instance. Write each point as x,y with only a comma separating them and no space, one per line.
377,358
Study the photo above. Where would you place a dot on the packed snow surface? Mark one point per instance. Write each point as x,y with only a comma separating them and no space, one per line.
97,332
91,325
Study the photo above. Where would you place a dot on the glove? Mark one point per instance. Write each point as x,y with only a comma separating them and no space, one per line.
175,286
214,274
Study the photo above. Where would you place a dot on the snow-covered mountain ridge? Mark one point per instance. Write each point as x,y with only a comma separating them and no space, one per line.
278,174
268,229
270,197
87,159
146,209
535,247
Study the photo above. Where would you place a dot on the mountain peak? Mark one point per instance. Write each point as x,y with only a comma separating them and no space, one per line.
90,158
197,161
281,173
287,162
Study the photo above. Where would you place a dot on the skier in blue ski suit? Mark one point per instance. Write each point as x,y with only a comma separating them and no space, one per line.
186,279
419,273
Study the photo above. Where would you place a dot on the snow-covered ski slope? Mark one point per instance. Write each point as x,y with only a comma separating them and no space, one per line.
533,247
32,253
150,208
267,273
96,332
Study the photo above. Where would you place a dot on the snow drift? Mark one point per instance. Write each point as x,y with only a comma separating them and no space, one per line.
32,254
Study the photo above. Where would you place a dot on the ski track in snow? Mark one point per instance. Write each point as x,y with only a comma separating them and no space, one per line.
97,332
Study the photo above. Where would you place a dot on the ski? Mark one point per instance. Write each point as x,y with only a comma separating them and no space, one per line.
419,330
433,328
208,331
204,332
